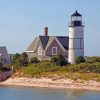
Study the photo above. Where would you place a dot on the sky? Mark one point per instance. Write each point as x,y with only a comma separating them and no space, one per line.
22,20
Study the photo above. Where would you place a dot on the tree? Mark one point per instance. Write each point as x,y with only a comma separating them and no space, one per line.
23,59
15,57
59,60
34,60
80,59
24,56
20,59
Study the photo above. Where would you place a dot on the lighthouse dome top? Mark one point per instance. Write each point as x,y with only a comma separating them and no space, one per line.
76,14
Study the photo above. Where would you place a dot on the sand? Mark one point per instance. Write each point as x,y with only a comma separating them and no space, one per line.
53,83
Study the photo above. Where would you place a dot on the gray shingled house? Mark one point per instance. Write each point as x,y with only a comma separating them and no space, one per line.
44,47
4,57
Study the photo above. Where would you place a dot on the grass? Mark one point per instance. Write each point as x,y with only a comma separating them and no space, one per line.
83,71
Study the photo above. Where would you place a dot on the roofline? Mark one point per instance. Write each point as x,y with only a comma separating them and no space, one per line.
61,45
30,51
55,38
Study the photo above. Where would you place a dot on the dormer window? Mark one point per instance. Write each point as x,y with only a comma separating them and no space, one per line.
39,51
54,50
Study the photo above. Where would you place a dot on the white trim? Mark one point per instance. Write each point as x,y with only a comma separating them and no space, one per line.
39,51
36,43
60,44
30,51
49,42
44,52
55,38
53,50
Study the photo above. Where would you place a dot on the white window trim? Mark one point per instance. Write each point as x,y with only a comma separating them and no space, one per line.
53,49
39,51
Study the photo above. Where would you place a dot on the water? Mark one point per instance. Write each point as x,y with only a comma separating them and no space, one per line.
30,93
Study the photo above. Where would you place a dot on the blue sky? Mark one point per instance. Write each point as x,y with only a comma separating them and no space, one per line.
22,20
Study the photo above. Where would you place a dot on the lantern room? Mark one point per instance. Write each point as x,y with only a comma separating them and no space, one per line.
76,19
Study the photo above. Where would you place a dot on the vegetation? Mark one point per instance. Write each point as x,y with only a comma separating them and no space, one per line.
47,69
57,67
3,69
1,64
80,59
92,59
34,60
58,60
19,60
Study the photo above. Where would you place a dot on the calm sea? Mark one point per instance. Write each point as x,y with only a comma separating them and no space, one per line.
30,93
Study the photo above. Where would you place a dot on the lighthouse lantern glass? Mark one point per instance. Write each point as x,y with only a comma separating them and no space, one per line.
76,18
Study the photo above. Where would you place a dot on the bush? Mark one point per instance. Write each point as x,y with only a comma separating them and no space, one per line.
59,60
92,59
3,69
34,60
80,59
20,59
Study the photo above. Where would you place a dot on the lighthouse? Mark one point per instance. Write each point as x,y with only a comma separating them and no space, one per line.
76,38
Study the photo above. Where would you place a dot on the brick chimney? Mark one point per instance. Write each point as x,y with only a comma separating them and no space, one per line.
46,31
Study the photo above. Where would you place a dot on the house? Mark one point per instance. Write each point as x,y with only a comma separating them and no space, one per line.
71,47
44,47
4,57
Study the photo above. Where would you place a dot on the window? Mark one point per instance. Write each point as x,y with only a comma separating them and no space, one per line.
39,51
54,50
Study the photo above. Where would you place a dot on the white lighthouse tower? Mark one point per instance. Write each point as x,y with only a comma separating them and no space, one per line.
76,38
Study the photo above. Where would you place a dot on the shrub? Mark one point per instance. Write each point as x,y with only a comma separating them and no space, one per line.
80,59
92,59
20,59
59,60
3,69
34,60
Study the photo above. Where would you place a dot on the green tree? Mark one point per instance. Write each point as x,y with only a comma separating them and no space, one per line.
24,56
80,59
23,59
20,59
15,57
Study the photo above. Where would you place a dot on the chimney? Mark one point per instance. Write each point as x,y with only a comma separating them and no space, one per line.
46,31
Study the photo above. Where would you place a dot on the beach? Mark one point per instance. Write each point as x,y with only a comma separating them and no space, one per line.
52,83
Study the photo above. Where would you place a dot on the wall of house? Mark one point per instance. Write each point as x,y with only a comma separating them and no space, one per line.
59,50
46,55
35,53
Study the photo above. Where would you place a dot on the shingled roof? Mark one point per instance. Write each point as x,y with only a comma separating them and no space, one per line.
76,14
5,56
44,40
47,40
64,41
32,46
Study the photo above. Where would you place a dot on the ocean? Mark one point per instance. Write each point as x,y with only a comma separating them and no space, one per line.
31,93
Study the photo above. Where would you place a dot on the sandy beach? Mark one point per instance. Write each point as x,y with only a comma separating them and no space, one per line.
52,83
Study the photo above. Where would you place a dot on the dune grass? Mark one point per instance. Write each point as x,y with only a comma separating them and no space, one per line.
83,71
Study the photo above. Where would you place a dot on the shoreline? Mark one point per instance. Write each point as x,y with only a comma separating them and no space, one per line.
51,83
